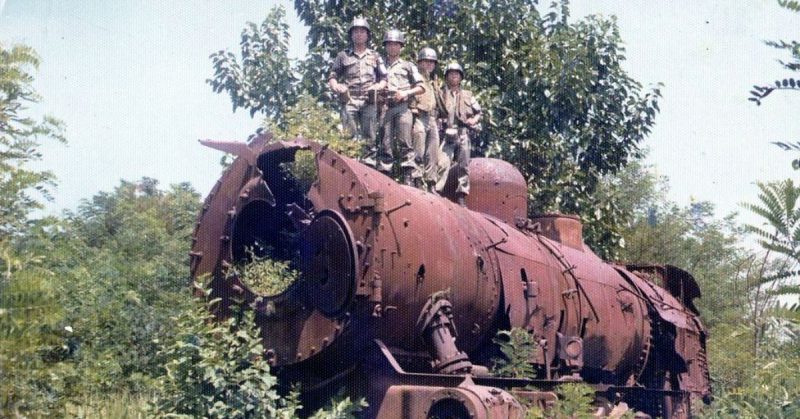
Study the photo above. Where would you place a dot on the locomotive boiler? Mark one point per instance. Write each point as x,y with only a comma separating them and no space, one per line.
401,291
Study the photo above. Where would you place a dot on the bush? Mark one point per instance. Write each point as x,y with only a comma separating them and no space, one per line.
36,366
264,276
217,370
340,407
772,392
517,348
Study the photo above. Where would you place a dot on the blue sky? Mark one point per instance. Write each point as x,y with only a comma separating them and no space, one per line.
128,79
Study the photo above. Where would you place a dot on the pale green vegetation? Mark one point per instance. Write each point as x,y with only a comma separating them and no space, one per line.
218,370
265,276
517,348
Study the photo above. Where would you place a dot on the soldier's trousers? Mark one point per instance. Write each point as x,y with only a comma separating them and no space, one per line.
397,124
426,149
457,150
359,120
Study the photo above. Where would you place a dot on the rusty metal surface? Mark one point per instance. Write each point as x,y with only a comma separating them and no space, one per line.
498,189
375,256
561,228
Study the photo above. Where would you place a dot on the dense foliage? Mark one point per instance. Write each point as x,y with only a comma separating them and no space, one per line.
32,335
260,80
517,348
100,299
218,370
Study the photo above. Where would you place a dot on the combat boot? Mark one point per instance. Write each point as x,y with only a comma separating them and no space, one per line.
369,161
385,168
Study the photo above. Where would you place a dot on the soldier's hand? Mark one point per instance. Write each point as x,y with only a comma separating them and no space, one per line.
400,95
338,87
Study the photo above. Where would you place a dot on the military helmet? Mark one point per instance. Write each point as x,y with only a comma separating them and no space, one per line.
427,54
359,22
394,35
454,67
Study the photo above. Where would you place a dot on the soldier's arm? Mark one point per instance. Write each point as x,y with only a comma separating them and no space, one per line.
416,90
416,82
475,119
378,86
380,75
336,68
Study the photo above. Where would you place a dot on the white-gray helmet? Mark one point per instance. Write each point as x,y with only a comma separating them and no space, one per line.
427,54
454,66
359,22
394,35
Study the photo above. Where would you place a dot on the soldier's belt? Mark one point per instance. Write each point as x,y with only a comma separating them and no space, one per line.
392,103
368,96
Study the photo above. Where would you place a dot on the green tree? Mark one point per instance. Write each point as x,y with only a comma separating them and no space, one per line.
33,341
21,188
96,309
261,80
779,208
123,256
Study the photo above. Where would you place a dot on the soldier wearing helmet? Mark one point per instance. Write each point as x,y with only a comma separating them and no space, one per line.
355,76
462,120
427,107
403,82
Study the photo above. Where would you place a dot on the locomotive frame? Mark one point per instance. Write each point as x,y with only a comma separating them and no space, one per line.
401,291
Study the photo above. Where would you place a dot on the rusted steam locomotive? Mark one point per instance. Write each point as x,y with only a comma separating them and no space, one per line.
401,291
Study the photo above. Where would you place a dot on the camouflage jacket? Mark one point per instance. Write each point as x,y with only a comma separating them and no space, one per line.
358,72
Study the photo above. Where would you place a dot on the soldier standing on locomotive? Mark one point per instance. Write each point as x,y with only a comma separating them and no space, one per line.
403,82
426,109
363,74
462,120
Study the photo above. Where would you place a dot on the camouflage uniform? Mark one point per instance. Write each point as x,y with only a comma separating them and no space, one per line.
401,75
359,111
397,123
460,105
426,108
